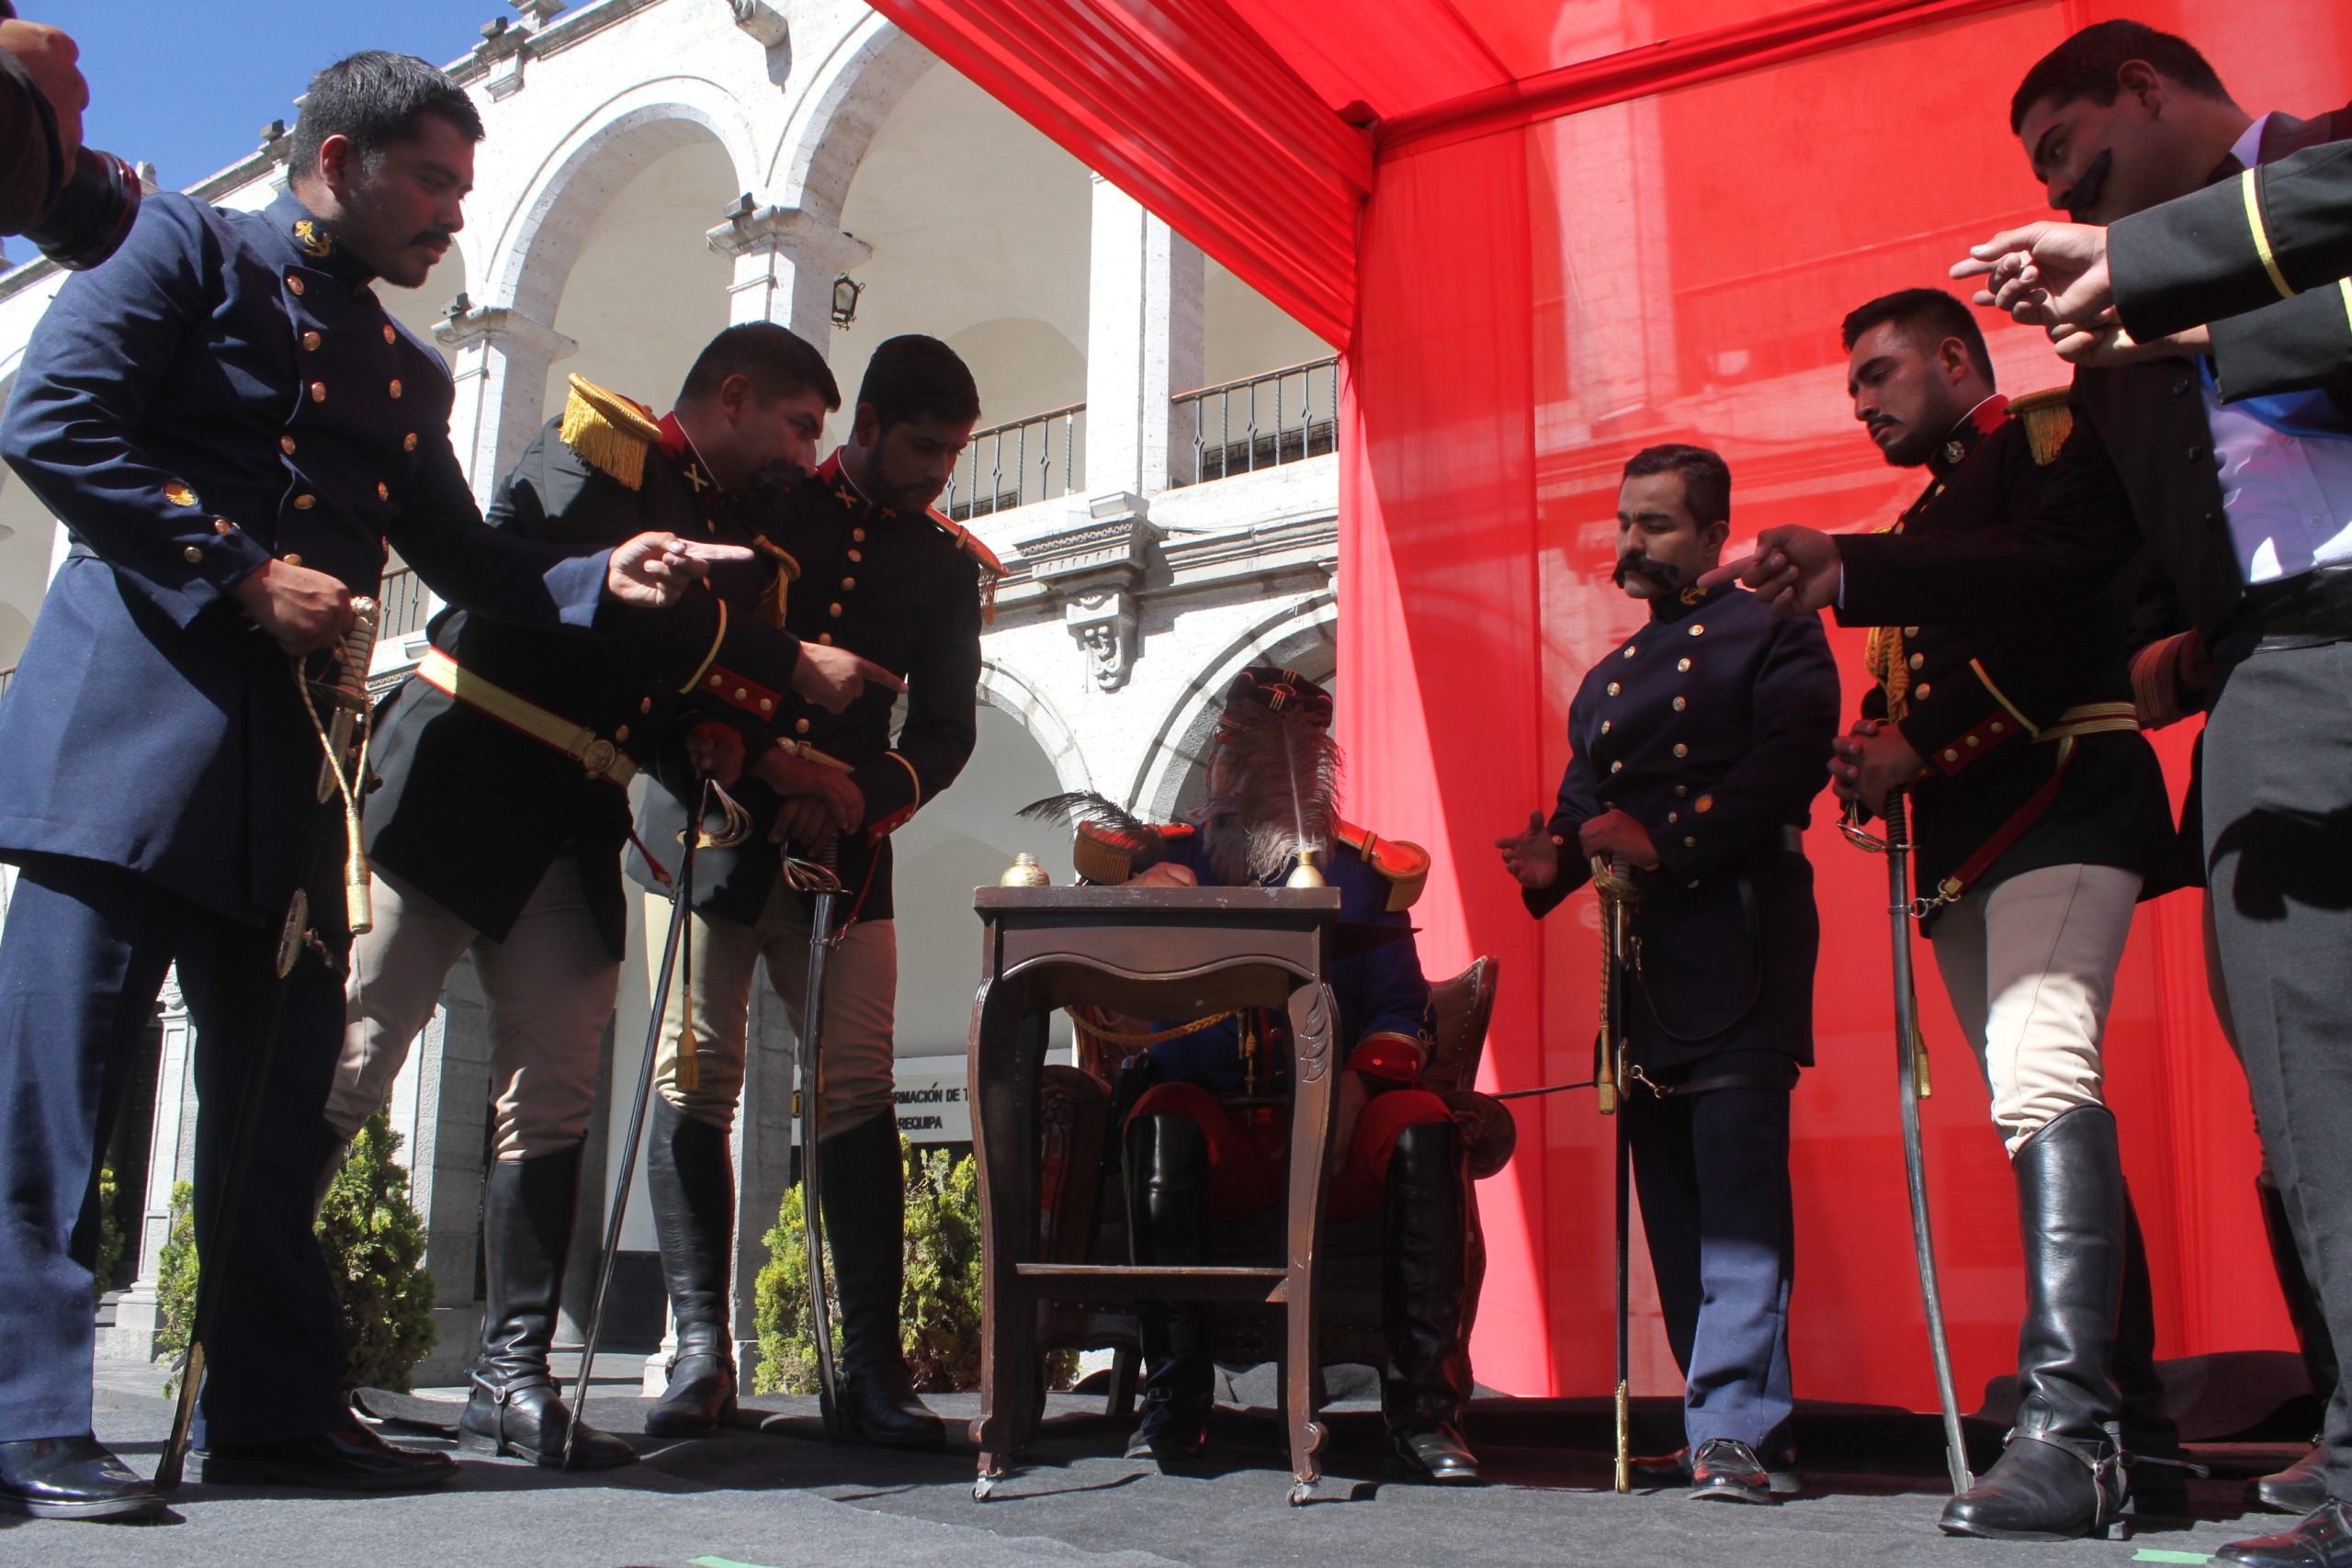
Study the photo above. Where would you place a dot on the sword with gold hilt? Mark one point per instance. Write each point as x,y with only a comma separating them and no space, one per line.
343,733
1912,1087
1613,881
819,875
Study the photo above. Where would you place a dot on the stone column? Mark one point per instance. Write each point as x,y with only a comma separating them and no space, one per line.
501,362
171,1158
785,260
1144,344
439,1107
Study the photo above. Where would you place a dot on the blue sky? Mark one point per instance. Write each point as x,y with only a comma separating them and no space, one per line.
187,85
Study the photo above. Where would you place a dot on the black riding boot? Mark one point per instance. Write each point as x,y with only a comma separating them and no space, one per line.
2155,1469
693,1182
1424,1272
528,1209
2060,1475
864,1194
1168,1215
2300,1488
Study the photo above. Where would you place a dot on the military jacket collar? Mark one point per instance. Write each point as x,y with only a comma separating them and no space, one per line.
1979,423
1667,610
678,447
833,474
312,245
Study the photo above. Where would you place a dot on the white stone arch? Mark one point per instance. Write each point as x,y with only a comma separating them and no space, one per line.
609,146
1302,636
1019,698
853,89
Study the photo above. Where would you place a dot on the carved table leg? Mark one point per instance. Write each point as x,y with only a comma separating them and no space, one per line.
1315,1103
1001,1145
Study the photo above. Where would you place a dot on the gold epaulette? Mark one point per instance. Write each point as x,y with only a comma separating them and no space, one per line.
991,567
1406,866
2048,417
1105,856
611,434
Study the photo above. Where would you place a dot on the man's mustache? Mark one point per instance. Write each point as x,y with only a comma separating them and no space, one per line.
1661,572
2086,191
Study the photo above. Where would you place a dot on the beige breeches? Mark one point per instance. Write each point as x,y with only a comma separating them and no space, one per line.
549,985
2030,968
860,998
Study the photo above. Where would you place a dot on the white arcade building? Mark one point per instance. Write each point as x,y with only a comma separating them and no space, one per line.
1154,467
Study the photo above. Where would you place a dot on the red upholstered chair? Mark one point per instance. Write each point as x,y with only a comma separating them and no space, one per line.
1082,1213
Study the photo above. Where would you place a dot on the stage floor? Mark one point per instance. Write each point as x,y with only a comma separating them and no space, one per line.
774,1495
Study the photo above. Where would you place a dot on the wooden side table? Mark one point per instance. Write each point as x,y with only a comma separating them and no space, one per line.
1166,953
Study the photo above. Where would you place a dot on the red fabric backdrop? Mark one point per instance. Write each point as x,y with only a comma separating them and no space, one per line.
1592,225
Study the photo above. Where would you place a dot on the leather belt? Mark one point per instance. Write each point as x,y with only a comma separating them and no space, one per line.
2307,610
597,756
1720,1081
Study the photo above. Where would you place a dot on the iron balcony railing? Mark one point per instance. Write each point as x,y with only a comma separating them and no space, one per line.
1012,465
405,602
1283,416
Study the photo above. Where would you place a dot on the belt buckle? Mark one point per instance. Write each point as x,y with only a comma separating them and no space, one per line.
597,759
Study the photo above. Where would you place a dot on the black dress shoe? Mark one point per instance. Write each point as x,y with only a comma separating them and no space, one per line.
2299,1489
2321,1540
1725,1470
1435,1450
1674,1468
879,1407
71,1478
349,1458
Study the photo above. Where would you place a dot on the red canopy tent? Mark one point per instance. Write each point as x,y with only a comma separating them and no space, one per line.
1544,235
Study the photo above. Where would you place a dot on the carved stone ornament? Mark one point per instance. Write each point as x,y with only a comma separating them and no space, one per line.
1095,564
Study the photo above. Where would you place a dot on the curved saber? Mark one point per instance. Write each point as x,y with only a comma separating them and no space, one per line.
819,877
681,911
1614,882
1911,1070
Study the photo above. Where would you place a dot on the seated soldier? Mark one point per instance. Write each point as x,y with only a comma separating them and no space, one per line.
1194,1158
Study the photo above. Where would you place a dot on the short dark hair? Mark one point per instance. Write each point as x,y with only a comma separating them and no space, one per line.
778,362
915,377
375,97
2085,66
1706,478
1926,316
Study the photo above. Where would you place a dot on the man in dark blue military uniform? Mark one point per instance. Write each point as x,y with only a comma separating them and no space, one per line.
2041,821
1698,746
235,432
1193,1159
869,566
498,826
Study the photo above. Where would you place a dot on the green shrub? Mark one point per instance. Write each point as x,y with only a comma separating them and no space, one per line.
112,1239
175,1285
374,1239
939,1315
375,1245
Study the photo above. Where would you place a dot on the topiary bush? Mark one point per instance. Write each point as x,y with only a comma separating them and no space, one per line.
375,1245
374,1239
113,1240
939,1315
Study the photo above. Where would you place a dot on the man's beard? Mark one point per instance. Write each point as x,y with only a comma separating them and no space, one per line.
2082,197
1910,449
1240,851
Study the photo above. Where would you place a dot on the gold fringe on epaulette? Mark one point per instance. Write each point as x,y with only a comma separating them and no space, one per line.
2049,419
611,433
